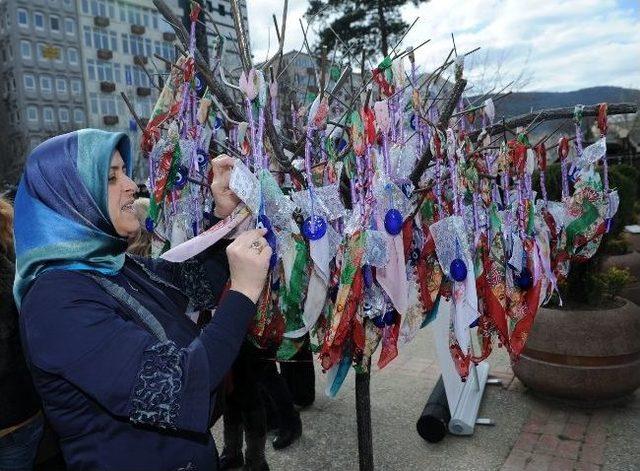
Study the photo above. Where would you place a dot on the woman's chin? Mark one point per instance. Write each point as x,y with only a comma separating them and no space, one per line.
128,229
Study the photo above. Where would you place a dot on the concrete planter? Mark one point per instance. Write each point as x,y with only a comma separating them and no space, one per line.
629,260
585,356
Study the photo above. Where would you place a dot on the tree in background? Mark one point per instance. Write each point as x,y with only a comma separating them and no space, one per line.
372,26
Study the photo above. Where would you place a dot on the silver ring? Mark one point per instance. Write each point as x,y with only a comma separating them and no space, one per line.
257,246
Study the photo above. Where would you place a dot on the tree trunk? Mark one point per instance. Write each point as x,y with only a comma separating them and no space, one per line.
382,22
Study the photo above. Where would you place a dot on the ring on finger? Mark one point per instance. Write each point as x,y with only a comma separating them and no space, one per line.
257,246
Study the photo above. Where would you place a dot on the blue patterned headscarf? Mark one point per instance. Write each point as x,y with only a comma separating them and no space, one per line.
61,208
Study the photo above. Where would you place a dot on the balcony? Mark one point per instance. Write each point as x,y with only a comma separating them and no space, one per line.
107,87
138,29
140,60
110,120
105,54
143,91
169,37
101,21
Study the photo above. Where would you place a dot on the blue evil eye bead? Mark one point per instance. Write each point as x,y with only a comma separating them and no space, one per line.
367,274
342,143
458,270
378,321
218,123
524,280
265,223
199,83
148,224
413,121
181,178
474,323
389,317
393,222
202,158
316,230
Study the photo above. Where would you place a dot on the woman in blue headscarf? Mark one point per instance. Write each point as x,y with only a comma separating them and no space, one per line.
126,379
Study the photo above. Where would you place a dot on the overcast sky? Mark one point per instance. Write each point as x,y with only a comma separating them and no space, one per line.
555,45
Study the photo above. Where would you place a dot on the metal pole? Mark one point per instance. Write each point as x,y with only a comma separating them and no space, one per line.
363,418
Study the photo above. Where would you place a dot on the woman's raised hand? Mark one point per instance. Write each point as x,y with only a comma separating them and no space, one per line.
225,199
249,258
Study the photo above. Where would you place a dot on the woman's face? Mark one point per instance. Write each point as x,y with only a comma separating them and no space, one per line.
121,197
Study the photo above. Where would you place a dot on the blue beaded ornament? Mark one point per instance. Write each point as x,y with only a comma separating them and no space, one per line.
181,178
202,158
378,321
524,280
458,269
413,121
393,222
148,224
389,317
316,230
367,274
199,83
265,223
218,123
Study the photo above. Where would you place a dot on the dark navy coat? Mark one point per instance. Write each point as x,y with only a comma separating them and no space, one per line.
119,394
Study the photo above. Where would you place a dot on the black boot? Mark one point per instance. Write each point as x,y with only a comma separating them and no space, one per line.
254,454
289,432
231,457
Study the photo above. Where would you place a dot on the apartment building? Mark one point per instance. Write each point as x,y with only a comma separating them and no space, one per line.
41,80
219,19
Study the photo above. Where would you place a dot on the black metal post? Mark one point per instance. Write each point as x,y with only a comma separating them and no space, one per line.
363,418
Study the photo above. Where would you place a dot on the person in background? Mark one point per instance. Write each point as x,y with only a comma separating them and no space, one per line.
128,382
140,244
21,421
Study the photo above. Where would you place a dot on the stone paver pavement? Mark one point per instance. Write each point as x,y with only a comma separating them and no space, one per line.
529,433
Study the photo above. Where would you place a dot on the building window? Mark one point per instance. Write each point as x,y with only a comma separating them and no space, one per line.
125,43
78,116
154,19
76,87
32,113
72,56
147,47
93,102
63,115
68,3
29,82
23,17
116,72
61,85
85,7
98,8
45,84
108,106
221,10
59,58
113,37
104,71
70,26
25,49
47,114
91,69
100,39
87,35
38,21
54,23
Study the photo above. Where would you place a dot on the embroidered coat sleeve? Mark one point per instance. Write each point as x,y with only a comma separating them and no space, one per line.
201,278
73,329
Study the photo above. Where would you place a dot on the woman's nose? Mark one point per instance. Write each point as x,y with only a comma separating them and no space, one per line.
131,185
